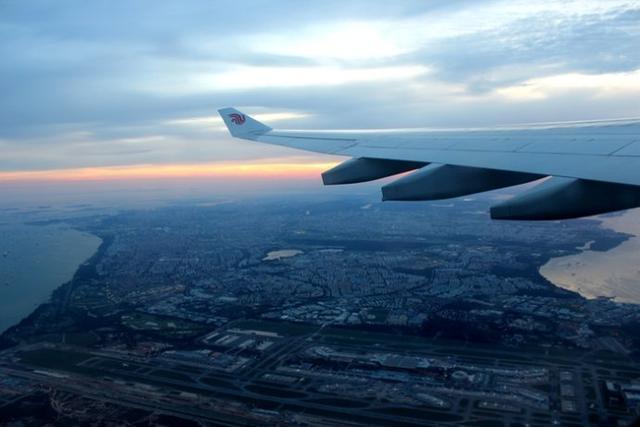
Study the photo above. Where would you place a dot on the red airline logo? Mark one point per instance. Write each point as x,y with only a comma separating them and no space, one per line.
238,118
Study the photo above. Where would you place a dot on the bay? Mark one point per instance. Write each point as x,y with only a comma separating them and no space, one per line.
612,274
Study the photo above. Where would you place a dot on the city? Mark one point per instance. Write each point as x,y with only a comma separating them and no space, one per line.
321,312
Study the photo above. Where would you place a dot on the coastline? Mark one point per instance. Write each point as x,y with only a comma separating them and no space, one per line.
49,294
614,273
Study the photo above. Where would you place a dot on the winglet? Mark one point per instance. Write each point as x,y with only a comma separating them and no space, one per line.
241,125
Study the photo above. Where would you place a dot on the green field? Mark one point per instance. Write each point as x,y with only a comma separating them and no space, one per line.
161,325
282,328
81,339
171,375
54,359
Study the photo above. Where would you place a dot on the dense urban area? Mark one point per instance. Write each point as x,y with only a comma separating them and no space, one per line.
319,312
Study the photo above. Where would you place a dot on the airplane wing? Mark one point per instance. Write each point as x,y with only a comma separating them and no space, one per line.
594,167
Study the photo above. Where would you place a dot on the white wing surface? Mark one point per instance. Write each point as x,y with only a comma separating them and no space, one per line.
595,166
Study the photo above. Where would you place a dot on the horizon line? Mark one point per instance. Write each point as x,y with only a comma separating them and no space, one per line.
274,169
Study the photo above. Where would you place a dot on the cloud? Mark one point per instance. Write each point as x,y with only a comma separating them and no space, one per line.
121,83
585,40
208,122
600,85
246,78
346,41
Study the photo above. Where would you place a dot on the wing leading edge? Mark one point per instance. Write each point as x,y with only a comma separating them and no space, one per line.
594,166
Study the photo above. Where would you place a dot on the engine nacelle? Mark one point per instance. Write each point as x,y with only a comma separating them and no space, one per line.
364,169
445,181
564,198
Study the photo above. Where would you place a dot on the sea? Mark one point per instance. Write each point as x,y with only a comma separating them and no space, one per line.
611,274
34,261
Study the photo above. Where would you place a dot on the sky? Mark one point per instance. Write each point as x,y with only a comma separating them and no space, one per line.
129,89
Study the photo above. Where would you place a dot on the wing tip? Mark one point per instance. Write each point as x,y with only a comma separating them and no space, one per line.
241,125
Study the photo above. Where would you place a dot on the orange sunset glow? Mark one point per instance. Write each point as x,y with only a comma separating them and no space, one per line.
275,169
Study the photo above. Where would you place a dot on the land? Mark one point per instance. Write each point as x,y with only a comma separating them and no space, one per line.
324,312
